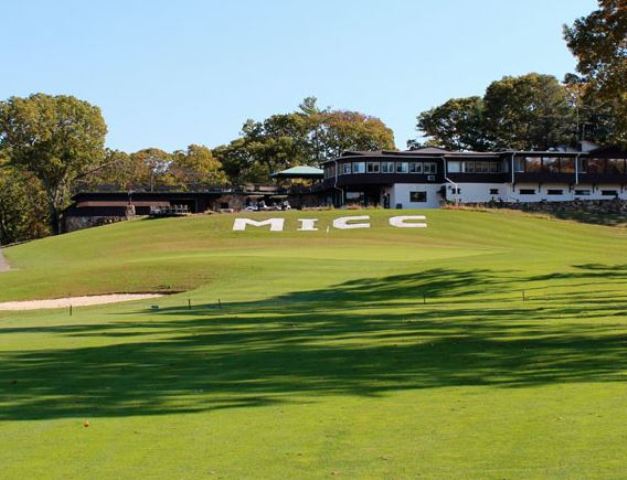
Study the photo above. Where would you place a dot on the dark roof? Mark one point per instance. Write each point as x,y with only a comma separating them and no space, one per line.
433,152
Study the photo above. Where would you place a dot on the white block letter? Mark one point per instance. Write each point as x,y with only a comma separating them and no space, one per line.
402,221
342,222
307,225
276,224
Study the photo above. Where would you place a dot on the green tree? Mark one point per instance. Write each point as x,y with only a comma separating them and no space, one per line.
599,41
195,166
58,139
457,124
150,167
342,130
307,136
532,111
23,212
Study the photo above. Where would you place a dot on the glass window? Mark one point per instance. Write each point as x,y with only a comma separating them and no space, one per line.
454,166
470,167
495,167
415,167
554,192
402,167
567,165
527,191
429,167
616,165
346,168
418,197
387,167
551,164
582,192
519,164
609,193
595,165
373,167
359,167
533,164
494,191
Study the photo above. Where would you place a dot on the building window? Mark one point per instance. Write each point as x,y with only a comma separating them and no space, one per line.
582,193
595,165
609,193
533,164
429,167
454,166
387,167
555,192
415,167
495,167
456,191
494,191
519,164
551,164
567,165
359,167
373,167
346,168
527,191
616,165
402,167
418,197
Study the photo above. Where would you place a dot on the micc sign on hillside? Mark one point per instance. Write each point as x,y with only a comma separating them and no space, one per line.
341,223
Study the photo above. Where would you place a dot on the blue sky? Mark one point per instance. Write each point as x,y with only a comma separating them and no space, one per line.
170,73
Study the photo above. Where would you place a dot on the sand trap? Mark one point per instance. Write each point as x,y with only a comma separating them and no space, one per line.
75,301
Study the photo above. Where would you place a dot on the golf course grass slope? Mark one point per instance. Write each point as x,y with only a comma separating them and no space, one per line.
489,345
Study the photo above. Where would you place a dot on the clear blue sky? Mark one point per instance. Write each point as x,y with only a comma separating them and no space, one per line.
170,73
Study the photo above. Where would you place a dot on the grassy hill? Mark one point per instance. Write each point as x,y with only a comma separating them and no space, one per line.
380,353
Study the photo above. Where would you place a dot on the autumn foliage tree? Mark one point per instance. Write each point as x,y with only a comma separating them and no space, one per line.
57,139
599,41
307,136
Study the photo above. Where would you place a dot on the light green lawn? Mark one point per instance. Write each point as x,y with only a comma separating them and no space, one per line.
323,361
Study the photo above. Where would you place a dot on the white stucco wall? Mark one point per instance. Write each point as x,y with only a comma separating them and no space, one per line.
568,193
399,194
478,192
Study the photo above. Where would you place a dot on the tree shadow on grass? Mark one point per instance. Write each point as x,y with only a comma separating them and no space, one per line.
365,337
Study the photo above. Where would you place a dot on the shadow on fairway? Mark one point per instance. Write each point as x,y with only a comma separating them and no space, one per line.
364,337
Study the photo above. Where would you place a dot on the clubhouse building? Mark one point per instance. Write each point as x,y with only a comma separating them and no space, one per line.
429,177
424,178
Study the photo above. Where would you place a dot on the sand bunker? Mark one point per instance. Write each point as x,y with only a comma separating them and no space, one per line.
75,301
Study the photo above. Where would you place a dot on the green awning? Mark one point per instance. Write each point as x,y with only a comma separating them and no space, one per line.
299,172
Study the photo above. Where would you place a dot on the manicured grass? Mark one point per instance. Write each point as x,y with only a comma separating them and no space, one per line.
380,353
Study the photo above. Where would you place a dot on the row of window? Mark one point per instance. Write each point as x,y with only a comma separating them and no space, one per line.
567,165
474,166
388,167
582,193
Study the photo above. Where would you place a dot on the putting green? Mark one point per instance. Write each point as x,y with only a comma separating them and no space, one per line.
489,345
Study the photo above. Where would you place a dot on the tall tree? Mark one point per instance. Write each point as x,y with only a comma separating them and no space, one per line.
195,166
56,138
528,112
151,167
599,41
343,130
23,212
457,124
307,136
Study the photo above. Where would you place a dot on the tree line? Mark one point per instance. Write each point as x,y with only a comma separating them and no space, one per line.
53,146
536,111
